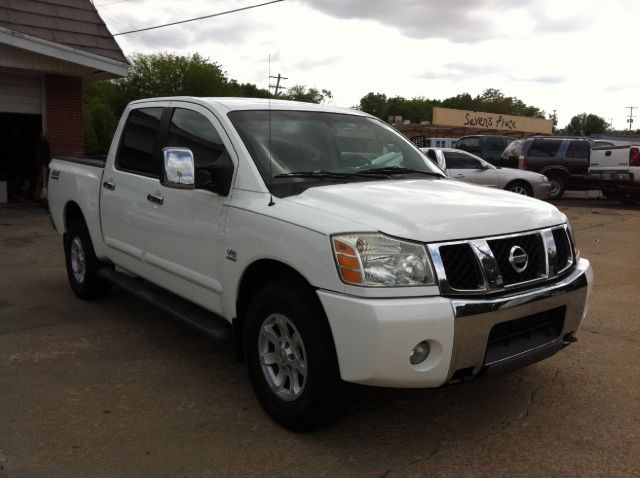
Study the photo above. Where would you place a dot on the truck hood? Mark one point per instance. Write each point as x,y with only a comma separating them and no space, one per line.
428,210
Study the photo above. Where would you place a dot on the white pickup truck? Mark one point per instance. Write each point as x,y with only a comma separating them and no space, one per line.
616,171
321,243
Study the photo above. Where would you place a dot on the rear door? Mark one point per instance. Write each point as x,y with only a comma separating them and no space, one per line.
125,212
543,153
464,167
578,157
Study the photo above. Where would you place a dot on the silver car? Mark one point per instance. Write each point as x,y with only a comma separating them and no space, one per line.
463,166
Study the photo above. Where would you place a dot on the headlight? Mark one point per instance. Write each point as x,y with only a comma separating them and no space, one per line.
377,260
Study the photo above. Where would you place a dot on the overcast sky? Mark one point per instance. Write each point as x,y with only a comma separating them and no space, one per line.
572,55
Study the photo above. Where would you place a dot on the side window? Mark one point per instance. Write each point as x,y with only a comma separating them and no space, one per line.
544,148
460,161
495,145
138,139
190,129
470,144
578,149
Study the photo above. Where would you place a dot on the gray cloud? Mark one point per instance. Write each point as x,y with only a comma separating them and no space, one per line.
457,71
459,21
309,63
547,79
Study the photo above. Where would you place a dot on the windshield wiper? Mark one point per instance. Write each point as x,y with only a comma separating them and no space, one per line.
330,175
390,170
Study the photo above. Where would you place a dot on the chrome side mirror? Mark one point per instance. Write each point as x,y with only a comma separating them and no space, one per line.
178,168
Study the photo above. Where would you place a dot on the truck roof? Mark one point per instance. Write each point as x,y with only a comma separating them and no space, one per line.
235,104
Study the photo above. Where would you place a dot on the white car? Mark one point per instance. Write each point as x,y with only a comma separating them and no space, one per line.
469,168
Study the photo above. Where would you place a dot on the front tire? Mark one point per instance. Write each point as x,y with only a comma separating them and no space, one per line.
291,358
82,263
557,187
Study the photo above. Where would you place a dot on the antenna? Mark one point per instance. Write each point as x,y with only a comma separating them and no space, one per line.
271,203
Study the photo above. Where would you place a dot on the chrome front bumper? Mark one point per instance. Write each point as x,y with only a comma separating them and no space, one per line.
474,319
374,337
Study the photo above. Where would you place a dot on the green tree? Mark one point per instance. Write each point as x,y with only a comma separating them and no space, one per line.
587,124
421,108
308,95
165,74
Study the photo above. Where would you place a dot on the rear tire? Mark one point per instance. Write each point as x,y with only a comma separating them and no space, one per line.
291,358
557,186
82,263
520,187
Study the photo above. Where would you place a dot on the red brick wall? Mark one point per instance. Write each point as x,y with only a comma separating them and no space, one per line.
64,115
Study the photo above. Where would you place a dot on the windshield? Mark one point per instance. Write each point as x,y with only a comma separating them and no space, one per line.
313,148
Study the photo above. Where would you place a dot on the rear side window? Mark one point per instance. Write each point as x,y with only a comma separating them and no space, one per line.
495,145
190,129
544,148
460,161
578,149
138,140
469,144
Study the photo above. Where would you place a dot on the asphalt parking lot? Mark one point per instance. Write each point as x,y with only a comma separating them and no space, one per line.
115,388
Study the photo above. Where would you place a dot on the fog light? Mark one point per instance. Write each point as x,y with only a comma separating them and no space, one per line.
419,353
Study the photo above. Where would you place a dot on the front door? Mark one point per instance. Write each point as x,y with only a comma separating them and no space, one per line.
189,250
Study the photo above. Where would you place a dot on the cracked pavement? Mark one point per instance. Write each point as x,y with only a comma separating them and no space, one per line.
115,388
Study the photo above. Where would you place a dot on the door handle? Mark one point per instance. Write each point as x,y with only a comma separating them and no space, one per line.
110,185
155,198
608,153
458,175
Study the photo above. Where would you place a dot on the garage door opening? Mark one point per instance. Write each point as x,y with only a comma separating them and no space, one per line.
25,152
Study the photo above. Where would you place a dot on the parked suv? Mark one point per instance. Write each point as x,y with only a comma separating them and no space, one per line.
489,147
565,161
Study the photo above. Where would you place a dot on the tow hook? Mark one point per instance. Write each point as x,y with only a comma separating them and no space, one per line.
569,339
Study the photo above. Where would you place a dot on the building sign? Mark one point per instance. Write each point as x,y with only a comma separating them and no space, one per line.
490,121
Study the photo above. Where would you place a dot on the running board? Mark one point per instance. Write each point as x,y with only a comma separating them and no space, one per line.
197,317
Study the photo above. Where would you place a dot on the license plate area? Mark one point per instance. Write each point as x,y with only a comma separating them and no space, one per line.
515,337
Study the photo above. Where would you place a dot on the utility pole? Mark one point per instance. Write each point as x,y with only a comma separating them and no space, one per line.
631,116
277,85
555,120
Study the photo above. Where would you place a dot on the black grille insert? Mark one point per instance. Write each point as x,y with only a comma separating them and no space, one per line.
532,244
461,266
563,248
511,338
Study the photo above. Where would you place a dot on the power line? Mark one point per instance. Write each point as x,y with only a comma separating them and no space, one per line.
198,18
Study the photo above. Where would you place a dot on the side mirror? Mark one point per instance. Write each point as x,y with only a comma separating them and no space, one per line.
484,166
216,176
178,168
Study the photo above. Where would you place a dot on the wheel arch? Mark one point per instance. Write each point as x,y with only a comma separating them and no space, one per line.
255,275
524,182
555,171
72,211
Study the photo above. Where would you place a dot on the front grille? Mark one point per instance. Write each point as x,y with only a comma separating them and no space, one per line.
563,248
536,265
461,267
483,266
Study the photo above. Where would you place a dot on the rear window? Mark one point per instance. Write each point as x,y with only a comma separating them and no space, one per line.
544,148
138,140
578,149
469,144
460,161
495,145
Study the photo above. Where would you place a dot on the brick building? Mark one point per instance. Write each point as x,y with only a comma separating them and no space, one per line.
48,49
